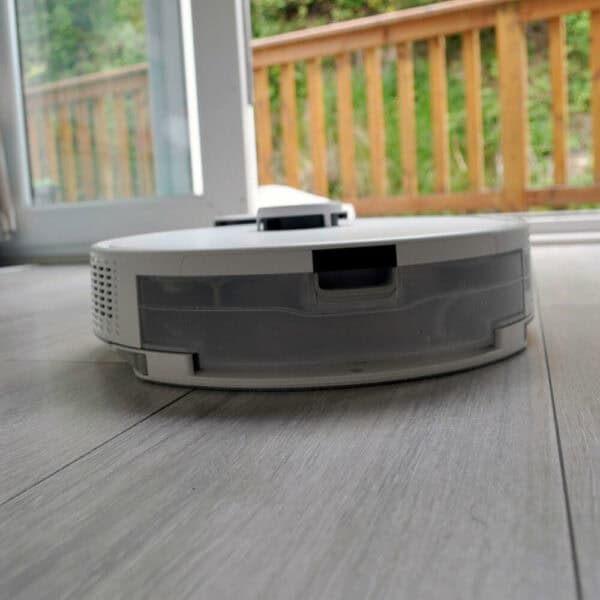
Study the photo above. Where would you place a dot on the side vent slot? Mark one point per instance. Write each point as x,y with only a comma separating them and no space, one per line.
103,293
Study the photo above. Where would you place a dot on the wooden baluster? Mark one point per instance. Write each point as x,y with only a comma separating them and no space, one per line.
406,109
472,67
50,148
439,112
124,189
103,149
140,183
34,144
143,144
514,121
560,106
318,142
65,136
345,122
85,150
264,131
595,67
289,124
375,120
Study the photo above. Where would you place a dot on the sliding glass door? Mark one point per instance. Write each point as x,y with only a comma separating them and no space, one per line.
105,99
112,100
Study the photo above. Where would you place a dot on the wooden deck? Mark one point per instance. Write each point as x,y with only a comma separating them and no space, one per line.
483,484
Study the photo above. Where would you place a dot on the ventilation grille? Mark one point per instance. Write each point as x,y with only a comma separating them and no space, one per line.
104,297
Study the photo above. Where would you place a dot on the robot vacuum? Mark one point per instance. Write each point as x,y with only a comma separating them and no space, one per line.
308,296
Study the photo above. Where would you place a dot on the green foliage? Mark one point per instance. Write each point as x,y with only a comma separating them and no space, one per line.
67,38
578,35
270,17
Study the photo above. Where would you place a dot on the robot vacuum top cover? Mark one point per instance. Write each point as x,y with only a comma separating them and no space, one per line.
306,296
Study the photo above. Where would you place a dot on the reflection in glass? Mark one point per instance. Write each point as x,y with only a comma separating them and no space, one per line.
88,82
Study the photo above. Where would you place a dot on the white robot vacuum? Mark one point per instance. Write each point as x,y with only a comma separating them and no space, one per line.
307,296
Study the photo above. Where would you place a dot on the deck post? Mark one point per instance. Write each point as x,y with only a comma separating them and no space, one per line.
514,123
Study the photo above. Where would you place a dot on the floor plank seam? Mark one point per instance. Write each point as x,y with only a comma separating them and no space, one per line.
572,541
91,450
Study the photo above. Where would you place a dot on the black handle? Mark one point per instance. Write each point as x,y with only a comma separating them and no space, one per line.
355,267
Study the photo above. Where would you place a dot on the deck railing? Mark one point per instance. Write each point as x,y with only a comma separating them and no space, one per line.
89,137
369,38
74,113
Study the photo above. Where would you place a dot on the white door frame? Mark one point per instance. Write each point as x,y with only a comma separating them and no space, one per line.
167,84
227,134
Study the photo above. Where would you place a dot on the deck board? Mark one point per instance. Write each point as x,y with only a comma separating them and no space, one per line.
45,315
51,413
568,279
447,487
62,393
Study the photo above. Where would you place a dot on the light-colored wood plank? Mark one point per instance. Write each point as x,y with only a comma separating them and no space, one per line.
396,27
204,496
103,149
514,120
406,110
553,197
124,189
567,276
289,124
67,156
264,56
61,392
264,131
567,279
480,15
455,201
318,142
84,150
438,85
560,104
563,196
376,122
406,25
471,48
414,17
52,322
345,123
73,89
541,10
143,139
487,200
52,413
595,67
50,147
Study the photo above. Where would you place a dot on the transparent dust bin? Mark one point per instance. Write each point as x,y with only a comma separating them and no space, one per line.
351,316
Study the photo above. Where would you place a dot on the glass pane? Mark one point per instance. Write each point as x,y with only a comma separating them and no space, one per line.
105,99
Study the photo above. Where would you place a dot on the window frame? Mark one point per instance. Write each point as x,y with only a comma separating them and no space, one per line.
225,121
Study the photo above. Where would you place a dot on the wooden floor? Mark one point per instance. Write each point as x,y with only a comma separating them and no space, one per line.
484,484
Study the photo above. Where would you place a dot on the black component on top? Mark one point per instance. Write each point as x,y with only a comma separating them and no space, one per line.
354,268
292,222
